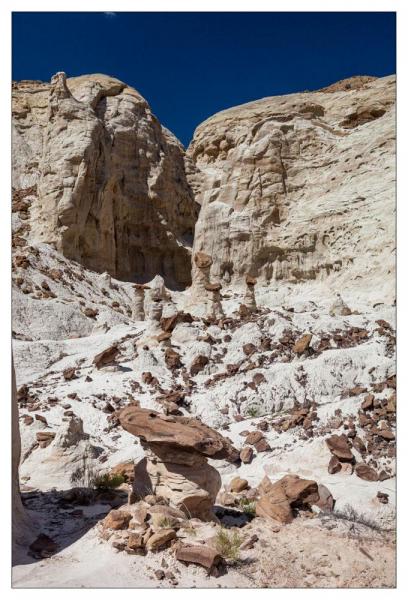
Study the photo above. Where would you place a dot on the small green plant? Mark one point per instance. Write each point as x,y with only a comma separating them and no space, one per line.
108,481
253,411
248,506
228,543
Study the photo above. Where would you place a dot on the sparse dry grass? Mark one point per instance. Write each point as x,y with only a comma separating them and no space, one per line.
228,543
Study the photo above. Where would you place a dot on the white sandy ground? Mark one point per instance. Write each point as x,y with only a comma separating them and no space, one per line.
46,350
306,553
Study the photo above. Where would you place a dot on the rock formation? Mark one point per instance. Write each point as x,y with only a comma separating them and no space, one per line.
249,298
138,310
201,276
175,465
278,499
339,307
111,191
297,201
21,524
215,310
299,187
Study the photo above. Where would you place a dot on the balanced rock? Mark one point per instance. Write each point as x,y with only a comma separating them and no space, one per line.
175,465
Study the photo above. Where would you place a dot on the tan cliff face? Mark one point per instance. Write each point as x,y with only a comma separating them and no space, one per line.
300,187
111,190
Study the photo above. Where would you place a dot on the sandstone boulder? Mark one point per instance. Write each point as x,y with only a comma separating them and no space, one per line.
364,471
117,519
106,357
246,454
200,555
160,540
238,485
277,500
302,343
339,446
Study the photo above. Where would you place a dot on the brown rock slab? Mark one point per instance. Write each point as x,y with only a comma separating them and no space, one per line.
386,434
334,465
253,437
262,446
246,455
181,432
339,446
106,357
117,519
368,402
366,472
172,359
160,539
359,445
326,500
69,374
198,364
135,541
203,555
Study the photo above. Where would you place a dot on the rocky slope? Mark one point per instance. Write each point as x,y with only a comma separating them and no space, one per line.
207,402
107,181
300,188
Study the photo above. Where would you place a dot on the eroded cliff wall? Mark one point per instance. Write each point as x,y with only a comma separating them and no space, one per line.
109,184
300,187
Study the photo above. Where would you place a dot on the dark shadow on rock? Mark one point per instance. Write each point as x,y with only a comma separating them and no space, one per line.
231,517
63,516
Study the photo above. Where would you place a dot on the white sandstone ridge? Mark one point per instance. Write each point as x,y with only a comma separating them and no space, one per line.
107,181
300,188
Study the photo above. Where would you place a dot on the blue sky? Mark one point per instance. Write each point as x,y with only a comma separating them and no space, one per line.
191,65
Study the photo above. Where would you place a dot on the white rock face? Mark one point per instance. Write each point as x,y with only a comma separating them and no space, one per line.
298,193
301,187
111,186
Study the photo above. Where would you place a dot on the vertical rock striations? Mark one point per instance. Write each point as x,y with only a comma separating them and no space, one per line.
111,187
299,187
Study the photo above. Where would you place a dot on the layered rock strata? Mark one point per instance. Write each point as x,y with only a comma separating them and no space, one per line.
175,464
